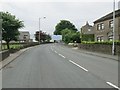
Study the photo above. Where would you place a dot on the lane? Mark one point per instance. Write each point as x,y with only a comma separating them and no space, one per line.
104,68
41,67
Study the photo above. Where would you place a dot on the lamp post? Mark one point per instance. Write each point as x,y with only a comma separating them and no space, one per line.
113,44
1,34
40,26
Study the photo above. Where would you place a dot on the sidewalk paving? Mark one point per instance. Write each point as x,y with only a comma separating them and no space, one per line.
12,57
113,57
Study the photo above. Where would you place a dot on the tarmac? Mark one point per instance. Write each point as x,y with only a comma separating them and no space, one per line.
13,56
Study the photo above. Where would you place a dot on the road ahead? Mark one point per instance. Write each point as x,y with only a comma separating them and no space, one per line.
57,66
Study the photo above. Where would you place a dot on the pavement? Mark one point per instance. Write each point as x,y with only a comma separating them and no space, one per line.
57,66
113,57
12,57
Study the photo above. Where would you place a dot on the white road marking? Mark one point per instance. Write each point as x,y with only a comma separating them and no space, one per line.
51,48
113,85
78,65
62,55
55,51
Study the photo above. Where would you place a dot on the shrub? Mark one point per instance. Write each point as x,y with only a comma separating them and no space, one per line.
105,42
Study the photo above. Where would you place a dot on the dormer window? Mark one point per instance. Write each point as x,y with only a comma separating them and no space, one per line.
89,29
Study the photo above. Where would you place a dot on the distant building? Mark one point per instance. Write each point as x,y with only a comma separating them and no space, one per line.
87,32
24,36
104,27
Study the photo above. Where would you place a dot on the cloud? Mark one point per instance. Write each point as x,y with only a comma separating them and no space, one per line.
77,12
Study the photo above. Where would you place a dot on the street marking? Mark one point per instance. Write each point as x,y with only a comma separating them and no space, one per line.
51,48
113,85
55,51
62,55
78,65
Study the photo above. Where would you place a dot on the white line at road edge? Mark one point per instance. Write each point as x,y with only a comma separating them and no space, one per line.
62,55
78,65
113,85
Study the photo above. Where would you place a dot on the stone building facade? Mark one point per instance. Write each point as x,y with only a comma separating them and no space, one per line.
88,32
104,27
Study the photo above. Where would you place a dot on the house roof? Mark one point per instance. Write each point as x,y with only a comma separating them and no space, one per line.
108,16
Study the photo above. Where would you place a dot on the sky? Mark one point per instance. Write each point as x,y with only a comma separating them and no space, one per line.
76,11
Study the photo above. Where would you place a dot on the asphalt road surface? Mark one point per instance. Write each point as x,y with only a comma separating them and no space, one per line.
57,66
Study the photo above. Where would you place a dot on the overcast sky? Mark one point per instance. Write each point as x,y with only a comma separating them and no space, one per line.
76,11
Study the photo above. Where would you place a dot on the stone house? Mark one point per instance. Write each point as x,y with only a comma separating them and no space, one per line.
87,32
104,27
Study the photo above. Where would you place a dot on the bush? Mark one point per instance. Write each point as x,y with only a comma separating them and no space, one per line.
105,43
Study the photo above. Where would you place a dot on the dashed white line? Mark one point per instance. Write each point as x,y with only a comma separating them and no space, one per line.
55,51
51,49
113,85
78,65
62,55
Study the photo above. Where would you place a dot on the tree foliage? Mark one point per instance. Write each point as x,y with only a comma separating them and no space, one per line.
10,26
43,36
63,24
69,36
88,37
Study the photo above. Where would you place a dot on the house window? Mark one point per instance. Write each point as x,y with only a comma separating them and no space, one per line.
100,38
100,26
89,29
110,38
111,24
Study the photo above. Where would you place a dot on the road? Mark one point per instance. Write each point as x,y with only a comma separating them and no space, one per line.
57,66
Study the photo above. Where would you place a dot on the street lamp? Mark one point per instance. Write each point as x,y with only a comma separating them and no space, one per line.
40,27
113,44
1,34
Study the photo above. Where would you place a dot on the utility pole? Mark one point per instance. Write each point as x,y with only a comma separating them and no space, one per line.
39,30
40,27
113,44
0,34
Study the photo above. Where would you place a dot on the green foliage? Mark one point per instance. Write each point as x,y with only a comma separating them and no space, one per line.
104,43
69,36
43,36
64,24
88,37
10,26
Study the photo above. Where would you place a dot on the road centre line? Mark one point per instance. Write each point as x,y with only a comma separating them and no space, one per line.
55,51
78,65
113,85
51,48
61,55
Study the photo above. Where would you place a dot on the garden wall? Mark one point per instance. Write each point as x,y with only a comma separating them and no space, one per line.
107,49
4,54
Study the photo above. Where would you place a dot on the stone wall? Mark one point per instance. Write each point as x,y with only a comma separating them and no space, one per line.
4,54
107,49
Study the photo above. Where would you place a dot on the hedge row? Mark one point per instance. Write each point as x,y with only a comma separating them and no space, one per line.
107,42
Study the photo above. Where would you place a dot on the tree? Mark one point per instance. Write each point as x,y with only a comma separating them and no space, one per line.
10,26
63,25
69,36
43,36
